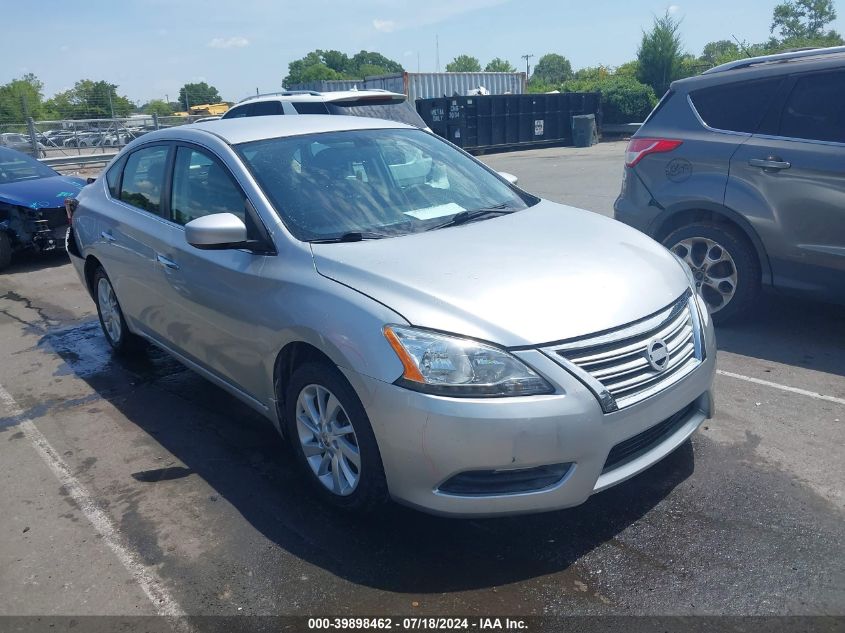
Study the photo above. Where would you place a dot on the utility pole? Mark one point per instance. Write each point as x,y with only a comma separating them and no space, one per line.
437,52
526,57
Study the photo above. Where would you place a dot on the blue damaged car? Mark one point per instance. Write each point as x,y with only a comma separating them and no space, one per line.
32,209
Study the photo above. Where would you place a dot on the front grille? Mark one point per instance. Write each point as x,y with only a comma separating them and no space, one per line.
615,365
54,217
641,443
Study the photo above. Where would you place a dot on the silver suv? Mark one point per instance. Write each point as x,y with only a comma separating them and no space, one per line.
416,326
741,172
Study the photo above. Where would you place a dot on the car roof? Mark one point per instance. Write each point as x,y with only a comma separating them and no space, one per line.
765,66
304,96
246,129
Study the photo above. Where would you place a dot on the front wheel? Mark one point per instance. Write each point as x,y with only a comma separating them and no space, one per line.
332,438
121,340
724,264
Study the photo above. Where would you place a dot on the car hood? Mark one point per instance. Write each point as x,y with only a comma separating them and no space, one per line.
41,193
544,274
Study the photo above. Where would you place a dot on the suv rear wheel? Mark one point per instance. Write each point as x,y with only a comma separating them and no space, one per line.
724,265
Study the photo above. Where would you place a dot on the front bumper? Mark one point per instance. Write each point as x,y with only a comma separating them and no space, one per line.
425,440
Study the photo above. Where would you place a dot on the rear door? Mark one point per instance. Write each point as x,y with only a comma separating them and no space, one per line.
132,232
794,167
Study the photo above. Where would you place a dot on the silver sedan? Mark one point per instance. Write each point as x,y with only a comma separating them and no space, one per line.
417,326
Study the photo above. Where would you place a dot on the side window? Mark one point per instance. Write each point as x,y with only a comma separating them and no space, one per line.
265,108
113,177
202,186
311,107
815,109
143,178
737,107
238,112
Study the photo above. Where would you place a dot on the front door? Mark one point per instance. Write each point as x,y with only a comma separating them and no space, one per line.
797,166
213,317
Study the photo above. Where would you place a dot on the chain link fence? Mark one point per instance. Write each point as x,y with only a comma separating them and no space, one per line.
74,141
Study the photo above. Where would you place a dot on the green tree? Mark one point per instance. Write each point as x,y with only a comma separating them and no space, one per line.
552,69
623,98
628,69
89,99
325,65
197,94
158,107
364,63
719,52
802,19
464,64
499,65
21,98
660,54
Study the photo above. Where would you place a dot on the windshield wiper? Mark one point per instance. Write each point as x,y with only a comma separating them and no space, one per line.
352,236
463,217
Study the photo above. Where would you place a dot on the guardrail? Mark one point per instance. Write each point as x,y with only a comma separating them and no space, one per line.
86,159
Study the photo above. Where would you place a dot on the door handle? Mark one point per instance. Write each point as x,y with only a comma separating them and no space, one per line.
108,237
772,162
167,263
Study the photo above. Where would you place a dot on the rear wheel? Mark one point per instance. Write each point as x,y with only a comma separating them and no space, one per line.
122,341
332,438
5,250
724,264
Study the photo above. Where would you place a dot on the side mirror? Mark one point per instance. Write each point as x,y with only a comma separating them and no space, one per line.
509,177
218,231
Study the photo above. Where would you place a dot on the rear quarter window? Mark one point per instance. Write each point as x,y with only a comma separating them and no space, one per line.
311,107
735,107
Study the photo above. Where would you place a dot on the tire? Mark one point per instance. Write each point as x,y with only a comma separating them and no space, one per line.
724,263
369,490
5,250
117,334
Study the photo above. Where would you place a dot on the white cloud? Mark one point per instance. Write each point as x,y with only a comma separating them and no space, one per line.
673,9
385,26
229,42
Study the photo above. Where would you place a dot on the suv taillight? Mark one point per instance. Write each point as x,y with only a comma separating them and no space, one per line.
639,148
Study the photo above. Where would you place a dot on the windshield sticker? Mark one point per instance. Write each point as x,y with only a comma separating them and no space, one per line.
439,211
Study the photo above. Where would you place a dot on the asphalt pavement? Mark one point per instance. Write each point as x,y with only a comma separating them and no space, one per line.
137,487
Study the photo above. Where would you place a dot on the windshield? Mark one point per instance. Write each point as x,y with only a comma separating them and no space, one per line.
389,109
15,167
385,182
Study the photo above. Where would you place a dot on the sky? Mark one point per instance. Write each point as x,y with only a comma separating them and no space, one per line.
150,48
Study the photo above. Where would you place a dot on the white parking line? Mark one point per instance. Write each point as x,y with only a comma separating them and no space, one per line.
164,603
803,392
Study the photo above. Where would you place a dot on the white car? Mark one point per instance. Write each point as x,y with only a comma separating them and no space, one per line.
376,104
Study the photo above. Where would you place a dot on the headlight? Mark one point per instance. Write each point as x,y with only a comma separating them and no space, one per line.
452,366
699,300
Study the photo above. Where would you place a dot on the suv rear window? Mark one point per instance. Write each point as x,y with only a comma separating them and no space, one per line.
390,109
736,107
815,108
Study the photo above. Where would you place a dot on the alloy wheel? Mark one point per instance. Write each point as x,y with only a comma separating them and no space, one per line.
328,440
109,310
713,268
